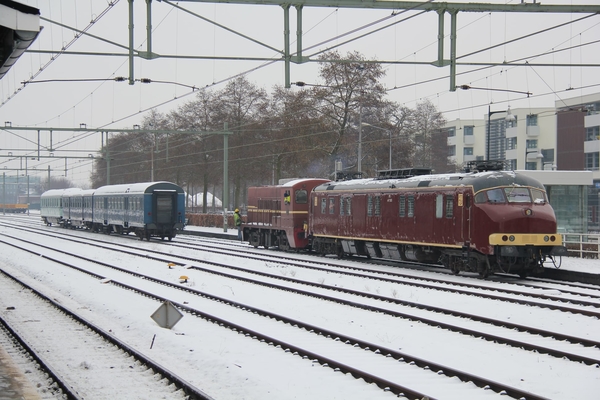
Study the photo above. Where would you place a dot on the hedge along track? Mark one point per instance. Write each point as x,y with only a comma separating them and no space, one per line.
426,364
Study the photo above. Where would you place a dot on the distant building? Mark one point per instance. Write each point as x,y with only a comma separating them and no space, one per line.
564,138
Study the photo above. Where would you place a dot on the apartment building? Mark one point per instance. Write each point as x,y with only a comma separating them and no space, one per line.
563,138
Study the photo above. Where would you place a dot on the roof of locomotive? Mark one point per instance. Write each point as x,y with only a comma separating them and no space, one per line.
478,180
137,188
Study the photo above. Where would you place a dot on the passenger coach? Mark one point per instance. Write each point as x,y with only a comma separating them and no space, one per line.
147,209
153,209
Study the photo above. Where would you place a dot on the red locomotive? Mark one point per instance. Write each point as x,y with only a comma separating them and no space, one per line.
278,215
484,222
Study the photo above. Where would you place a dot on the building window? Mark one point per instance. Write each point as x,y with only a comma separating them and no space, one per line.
592,133
511,143
451,132
451,151
532,144
592,161
469,130
532,120
468,151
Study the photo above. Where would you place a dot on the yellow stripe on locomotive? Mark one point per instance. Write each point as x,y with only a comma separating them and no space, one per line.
526,239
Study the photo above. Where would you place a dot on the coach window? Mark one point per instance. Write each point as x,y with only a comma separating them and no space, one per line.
411,206
324,205
301,196
332,205
370,206
401,206
439,205
349,205
342,201
449,206
377,205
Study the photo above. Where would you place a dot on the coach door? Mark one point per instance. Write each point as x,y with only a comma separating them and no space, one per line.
165,205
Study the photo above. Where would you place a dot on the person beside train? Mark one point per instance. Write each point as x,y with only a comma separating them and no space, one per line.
237,220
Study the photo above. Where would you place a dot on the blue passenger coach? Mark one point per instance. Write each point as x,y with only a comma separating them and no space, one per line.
147,209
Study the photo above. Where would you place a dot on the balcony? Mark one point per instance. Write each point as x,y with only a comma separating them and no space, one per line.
590,121
533,131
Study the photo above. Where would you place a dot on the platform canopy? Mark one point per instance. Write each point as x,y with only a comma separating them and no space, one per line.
19,26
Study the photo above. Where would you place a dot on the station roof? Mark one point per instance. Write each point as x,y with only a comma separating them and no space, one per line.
19,27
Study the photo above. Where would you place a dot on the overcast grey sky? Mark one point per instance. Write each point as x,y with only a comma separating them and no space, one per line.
119,105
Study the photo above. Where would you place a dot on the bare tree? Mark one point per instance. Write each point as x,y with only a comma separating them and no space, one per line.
351,89
431,150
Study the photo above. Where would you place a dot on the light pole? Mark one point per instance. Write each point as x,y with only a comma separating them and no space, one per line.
509,118
389,131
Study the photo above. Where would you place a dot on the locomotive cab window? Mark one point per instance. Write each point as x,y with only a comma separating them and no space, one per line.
301,196
332,205
323,205
490,196
517,195
538,196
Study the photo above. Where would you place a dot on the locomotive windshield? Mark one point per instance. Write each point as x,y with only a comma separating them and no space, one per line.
511,195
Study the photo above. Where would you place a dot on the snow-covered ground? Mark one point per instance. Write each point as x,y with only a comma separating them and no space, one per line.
232,367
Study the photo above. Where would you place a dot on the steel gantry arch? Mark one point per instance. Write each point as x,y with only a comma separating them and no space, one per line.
427,6
288,57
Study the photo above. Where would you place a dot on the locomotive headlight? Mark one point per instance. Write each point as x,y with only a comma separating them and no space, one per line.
546,238
511,238
528,212
552,238
504,238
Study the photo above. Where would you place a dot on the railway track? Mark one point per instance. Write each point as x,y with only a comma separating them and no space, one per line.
349,340
87,361
564,298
